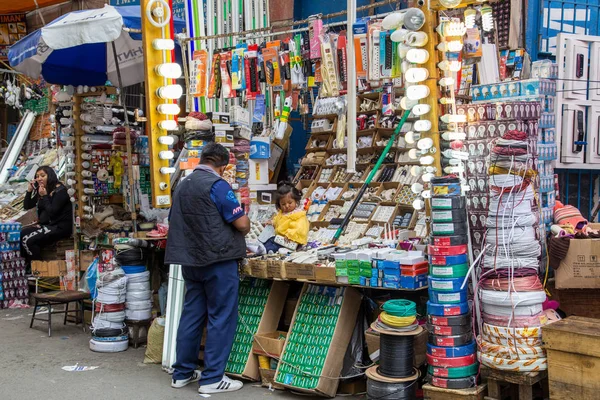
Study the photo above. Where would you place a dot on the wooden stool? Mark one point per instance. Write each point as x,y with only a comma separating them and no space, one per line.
134,331
49,299
520,383
431,392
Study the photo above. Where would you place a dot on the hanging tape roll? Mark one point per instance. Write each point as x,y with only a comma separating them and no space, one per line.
448,203
451,362
449,228
454,271
445,284
448,330
456,320
450,341
457,351
447,383
447,309
448,260
446,250
455,240
447,297
381,388
454,373
449,215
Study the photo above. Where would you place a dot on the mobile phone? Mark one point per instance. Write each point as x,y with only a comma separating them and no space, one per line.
36,185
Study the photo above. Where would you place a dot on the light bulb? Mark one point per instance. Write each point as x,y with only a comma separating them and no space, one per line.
163,44
89,191
86,147
86,174
428,176
416,75
168,109
426,160
454,118
487,18
167,170
71,191
407,104
450,3
411,137
85,164
421,109
414,19
168,70
73,199
418,204
163,186
446,100
416,188
413,154
416,171
87,182
168,125
392,21
454,46
425,144
422,125
86,156
426,194
470,15
167,140
417,92
166,155
454,136
71,182
84,198
170,92
450,66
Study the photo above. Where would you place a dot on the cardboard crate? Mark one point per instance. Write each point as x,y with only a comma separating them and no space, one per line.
86,257
339,343
268,344
258,269
299,271
580,269
268,323
267,378
276,269
49,268
325,275
573,351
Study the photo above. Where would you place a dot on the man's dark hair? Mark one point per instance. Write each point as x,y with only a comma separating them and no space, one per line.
215,155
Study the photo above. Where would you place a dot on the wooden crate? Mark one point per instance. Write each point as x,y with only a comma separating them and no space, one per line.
573,348
431,392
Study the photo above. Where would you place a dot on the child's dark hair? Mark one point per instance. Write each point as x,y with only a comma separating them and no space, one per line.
283,189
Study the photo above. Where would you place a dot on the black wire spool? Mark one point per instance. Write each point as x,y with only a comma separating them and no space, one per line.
396,356
133,256
381,388
456,383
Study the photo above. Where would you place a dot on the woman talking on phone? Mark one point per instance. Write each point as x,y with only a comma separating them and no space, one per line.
54,210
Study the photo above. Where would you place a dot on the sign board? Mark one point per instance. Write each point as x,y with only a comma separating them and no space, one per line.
178,6
13,27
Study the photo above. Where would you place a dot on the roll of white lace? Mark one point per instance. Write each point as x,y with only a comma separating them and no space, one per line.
117,316
142,295
139,305
138,286
138,315
507,299
137,278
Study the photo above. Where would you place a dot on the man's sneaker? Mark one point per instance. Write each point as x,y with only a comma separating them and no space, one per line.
225,385
181,383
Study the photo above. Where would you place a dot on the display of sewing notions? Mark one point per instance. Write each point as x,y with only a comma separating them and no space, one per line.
395,377
451,351
66,134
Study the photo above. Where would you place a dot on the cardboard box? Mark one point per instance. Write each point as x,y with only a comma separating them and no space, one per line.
339,344
268,323
420,345
260,148
263,194
267,378
580,269
269,344
86,257
299,271
258,269
573,351
325,274
276,269
259,172
49,268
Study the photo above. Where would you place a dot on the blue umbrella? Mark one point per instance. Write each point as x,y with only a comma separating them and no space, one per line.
75,49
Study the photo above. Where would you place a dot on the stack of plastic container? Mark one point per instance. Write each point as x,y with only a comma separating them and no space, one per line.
451,351
109,333
131,256
13,283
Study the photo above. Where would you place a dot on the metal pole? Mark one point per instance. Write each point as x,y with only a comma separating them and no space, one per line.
128,139
351,84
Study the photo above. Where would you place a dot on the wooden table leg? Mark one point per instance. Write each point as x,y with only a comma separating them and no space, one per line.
494,389
525,392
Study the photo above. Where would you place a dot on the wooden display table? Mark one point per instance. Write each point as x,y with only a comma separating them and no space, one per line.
520,384
431,392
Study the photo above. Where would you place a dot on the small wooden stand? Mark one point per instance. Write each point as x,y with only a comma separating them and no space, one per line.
431,392
520,383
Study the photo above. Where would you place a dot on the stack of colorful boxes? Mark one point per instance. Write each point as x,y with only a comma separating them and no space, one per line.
13,283
451,351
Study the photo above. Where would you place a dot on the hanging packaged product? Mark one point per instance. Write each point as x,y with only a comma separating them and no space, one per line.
283,121
286,73
361,53
296,68
199,70
331,85
228,92
252,79
214,88
271,67
385,54
315,26
276,112
238,81
374,40
342,60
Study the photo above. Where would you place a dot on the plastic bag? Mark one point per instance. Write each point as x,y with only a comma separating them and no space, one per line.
154,347
91,276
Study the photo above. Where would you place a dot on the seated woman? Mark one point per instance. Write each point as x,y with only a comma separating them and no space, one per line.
55,213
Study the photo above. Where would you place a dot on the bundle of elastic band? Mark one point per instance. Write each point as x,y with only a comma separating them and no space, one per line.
398,315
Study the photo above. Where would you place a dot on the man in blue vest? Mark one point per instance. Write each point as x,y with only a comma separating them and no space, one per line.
206,237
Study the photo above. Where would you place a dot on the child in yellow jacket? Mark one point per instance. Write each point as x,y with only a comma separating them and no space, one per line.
290,221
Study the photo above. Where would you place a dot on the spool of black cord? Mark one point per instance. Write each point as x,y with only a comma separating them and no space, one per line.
396,355
381,388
